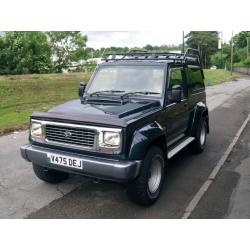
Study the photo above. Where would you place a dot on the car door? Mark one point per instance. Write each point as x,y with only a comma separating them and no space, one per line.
176,113
195,84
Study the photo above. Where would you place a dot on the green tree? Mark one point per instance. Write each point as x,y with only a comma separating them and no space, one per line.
219,59
149,47
24,52
240,54
205,41
240,48
67,47
241,39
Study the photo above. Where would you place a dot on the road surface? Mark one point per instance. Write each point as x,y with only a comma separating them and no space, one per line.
22,195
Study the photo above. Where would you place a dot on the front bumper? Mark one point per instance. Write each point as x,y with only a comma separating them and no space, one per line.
102,168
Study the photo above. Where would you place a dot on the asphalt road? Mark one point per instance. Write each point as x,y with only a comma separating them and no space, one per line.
228,197
23,195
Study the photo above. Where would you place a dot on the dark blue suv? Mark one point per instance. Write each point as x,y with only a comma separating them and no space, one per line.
138,110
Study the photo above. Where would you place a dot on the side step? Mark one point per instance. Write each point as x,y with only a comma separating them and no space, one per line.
179,147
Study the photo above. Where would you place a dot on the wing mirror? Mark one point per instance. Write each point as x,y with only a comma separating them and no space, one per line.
176,93
82,87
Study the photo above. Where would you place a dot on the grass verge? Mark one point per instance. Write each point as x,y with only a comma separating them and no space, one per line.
219,76
21,95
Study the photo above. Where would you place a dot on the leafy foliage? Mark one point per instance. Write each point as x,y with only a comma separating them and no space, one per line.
241,39
47,52
24,52
205,41
247,61
222,58
219,59
67,47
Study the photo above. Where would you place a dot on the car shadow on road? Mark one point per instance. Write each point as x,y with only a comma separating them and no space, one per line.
105,199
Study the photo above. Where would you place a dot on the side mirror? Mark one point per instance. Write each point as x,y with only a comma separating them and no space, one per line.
82,87
176,93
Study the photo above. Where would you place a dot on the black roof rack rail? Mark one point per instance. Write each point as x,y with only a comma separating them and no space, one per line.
191,55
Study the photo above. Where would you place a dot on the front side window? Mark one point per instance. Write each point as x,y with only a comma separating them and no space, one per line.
128,79
176,81
176,77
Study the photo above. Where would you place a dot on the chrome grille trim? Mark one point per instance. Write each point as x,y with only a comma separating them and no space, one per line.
79,136
87,131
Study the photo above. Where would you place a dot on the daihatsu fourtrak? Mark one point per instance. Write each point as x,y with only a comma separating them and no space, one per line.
138,110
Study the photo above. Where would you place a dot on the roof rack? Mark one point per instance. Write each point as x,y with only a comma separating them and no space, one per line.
191,55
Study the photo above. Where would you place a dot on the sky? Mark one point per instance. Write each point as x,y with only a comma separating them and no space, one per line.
98,39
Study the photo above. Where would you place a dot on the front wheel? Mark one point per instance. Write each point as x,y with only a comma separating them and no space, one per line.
49,175
145,190
199,143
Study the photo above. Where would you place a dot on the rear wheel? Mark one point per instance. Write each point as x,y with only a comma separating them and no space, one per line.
145,190
199,143
49,175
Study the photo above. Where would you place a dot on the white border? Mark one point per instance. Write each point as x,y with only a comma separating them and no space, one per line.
123,15
124,234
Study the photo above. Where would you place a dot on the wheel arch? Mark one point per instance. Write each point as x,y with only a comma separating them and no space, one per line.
200,111
144,138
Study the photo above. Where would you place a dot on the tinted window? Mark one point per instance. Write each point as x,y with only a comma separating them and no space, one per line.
194,79
176,79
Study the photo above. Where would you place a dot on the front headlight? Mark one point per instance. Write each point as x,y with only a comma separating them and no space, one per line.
36,131
110,141
112,138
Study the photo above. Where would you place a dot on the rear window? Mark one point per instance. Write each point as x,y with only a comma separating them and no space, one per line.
195,79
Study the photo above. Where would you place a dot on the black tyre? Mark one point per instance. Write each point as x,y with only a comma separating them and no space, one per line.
49,175
146,188
198,145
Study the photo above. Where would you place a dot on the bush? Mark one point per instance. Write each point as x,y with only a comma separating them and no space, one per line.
219,59
239,64
247,61
239,54
243,63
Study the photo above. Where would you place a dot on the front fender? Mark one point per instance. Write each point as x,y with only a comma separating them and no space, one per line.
142,139
200,111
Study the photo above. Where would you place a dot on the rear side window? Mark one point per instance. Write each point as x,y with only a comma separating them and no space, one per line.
195,79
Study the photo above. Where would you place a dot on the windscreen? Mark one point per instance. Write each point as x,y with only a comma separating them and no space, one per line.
128,79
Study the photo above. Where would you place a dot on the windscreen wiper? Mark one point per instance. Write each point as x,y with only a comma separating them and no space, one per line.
125,95
140,93
106,91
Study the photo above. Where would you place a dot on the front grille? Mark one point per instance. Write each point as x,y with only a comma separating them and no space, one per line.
71,135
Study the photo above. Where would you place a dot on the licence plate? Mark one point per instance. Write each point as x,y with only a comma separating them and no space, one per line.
66,161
